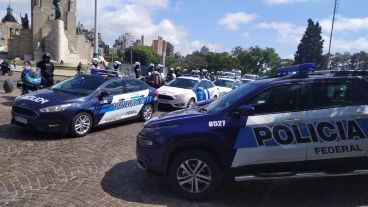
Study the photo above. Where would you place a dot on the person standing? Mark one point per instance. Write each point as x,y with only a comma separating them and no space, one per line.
47,69
79,68
137,70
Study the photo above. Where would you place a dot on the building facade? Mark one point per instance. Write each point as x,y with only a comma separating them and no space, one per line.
9,29
162,47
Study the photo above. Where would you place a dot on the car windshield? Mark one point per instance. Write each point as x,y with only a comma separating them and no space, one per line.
230,98
183,83
252,77
224,83
80,85
229,74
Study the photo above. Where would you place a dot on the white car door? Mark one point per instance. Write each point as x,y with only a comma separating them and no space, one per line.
276,132
339,121
137,94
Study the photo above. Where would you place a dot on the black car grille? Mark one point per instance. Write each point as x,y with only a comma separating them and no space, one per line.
24,111
165,97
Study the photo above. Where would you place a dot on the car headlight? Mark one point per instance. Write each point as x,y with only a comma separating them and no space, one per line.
57,108
180,96
144,141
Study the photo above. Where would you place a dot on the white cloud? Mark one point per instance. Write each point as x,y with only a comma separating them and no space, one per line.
232,21
345,24
135,16
246,35
286,32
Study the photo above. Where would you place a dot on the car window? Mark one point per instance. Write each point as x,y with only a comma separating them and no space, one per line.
335,94
209,84
276,99
116,87
183,83
133,86
203,84
81,85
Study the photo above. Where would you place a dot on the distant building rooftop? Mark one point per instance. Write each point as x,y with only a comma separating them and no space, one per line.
9,16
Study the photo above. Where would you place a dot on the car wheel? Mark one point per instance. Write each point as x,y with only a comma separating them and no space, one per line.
81,125
10,73
146,113
191,103
194,175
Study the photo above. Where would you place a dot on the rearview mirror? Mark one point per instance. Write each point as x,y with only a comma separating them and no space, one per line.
244,110
103,94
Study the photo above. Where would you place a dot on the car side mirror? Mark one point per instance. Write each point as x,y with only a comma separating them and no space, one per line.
103,95
243,110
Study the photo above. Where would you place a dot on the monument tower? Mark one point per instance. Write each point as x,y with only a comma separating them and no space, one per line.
53,29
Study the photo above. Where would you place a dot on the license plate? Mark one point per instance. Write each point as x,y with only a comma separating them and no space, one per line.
20,119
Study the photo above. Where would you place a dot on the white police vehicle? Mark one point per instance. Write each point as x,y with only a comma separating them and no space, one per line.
186,91
249,78
225,85
293,126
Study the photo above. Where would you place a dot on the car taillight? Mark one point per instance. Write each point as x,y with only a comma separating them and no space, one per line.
155,92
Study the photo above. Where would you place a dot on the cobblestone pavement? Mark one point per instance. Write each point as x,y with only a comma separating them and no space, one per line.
100,170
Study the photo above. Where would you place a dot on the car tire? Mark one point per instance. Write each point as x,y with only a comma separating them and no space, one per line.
191,103
10,73
146,113
194,184
81,125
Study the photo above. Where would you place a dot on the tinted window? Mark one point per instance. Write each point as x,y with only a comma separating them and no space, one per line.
203,84
115,88
276,99
224,83
133,86
209,84
335,94
81,85
183,83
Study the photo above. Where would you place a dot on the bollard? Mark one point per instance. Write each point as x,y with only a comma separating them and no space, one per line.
8,86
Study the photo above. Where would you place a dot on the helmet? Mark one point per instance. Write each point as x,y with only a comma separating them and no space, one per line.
160,66
152,65
137,64
204,70
171,69
178,68
46,55
117,63
95,61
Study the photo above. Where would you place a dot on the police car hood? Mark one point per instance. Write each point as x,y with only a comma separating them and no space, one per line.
223,89
177,117
172,91
45,98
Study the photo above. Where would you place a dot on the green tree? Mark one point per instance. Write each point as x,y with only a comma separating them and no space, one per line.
143,54
311,45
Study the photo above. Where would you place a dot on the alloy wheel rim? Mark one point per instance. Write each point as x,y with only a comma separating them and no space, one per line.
147,113
82,124
194,176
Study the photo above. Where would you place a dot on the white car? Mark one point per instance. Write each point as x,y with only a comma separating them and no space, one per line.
225,85
186,91
249,78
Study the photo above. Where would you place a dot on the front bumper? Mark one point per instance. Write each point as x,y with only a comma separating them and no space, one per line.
50,122
176,103
150,157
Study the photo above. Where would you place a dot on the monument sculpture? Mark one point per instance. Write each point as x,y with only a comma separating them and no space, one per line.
25,22
57,4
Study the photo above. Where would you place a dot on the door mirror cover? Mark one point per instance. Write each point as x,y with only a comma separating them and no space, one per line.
104,94
244,110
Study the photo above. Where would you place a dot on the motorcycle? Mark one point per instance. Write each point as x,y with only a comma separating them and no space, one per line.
30,82
6,69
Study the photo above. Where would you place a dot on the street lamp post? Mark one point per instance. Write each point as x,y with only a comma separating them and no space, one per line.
332,27
95,54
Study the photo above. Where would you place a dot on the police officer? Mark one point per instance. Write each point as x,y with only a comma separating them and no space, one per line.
149,71
47,70
185,71
117,66
178,72
170,75
137,70
95,63
79,68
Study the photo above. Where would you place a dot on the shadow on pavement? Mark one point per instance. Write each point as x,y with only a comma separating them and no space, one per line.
13,132
129,183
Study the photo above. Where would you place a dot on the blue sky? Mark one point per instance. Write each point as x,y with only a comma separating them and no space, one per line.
225,24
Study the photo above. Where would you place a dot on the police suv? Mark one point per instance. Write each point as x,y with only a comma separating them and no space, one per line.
82,102
186,91
294,126
225,85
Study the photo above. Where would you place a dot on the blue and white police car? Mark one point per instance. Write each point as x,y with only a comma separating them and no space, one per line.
186,91
82,102
225,85
294,126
